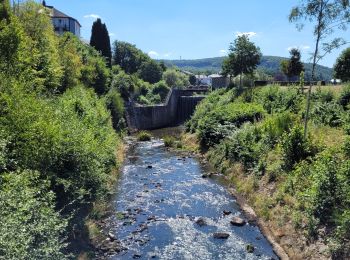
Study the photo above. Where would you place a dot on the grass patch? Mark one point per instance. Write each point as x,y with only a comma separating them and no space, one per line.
144,136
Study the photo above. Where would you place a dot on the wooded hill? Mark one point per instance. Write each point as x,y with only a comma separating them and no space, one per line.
269,65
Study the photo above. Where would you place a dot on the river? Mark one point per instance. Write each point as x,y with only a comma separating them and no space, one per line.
160,197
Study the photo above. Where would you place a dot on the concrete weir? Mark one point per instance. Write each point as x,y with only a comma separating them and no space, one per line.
178,107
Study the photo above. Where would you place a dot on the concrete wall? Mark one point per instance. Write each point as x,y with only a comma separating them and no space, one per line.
179,106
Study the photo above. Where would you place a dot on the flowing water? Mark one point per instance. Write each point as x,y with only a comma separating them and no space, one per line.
160,197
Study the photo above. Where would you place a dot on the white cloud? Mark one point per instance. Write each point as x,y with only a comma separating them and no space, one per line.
93,16
167,55
111,34
223,52
249,34
153,54
300,47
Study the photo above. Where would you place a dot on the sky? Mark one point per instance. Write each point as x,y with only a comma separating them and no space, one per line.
194,29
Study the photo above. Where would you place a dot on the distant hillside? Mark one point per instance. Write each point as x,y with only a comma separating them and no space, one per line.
269,64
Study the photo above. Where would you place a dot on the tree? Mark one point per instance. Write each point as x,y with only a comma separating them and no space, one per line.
192,80
327,15
101,41
4,9
284,67
128,57
342,66
174,78
243,58
293,66
150,71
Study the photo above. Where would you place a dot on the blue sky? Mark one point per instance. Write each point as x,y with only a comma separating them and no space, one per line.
191,29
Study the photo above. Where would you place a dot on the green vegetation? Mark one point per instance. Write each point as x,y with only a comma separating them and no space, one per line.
243,58
342,66
292,67
58,147
256,138
100,40
144,136
139,78
269,65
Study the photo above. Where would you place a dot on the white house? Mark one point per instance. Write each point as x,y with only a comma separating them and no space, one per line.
63,23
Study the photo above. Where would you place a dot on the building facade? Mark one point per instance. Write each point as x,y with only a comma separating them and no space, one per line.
63,23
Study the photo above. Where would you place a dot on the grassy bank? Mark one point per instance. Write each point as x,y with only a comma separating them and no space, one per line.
298,185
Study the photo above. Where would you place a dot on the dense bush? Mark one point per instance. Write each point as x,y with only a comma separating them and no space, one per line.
327,113
344,98
295,147
30,228
57,143
219,122
115,104
274,99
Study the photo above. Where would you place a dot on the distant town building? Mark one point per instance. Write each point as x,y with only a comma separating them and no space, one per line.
63,23
219,81
203,80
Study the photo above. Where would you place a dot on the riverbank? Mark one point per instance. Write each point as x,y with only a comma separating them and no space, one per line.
287,242
93,239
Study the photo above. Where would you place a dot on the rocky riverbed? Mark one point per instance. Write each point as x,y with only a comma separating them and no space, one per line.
167,207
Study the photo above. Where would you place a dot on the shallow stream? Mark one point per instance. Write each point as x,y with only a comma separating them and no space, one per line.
162,195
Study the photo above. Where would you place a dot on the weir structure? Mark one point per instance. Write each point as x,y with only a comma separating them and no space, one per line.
177,108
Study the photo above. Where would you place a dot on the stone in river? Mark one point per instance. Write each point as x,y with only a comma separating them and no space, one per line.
149,167
201,222
111,236
221,235
250,248
237,221
226,212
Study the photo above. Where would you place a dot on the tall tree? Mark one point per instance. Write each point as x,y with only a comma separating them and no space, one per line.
243,58
293,66
342,66
326,16
100,40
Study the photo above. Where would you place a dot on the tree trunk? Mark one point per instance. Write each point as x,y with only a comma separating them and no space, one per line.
319,33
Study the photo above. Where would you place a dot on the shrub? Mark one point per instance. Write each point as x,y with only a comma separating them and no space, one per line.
344,98
323,96
222,120
29,226
144,136
161,89
169,141
327,114
274,99
294,147
115,104
275,126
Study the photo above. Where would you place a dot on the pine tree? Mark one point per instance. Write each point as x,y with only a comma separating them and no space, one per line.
100,40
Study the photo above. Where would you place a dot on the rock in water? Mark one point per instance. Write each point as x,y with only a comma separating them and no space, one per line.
250,248
221,235
111,236
237,221
201,222
226,212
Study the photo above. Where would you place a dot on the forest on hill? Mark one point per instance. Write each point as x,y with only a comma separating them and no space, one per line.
269,64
